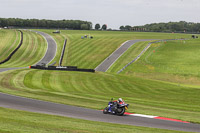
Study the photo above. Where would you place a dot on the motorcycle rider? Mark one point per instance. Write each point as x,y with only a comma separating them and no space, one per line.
120,101
115,103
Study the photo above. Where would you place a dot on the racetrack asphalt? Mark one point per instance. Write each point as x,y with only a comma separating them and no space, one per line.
31,105
20,103
107,63
51,51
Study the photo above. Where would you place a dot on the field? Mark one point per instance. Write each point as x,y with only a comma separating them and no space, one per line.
163,82
31,51
89,53
14,121
9,40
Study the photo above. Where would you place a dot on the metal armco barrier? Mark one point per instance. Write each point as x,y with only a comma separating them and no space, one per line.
63,52
62,68
13,52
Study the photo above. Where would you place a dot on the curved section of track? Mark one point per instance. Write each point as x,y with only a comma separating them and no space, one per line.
15,102
107,63
51,50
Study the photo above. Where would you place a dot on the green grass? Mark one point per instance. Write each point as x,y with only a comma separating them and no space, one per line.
14,121
94,90
89,53
174,61
128,56
32,50
9,40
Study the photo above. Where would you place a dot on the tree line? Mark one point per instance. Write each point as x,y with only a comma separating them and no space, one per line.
181,26
43,23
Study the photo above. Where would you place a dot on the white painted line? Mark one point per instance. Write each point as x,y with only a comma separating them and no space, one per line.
147,116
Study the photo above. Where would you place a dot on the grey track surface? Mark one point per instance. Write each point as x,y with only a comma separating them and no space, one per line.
107,63
6,69
51,51
20,103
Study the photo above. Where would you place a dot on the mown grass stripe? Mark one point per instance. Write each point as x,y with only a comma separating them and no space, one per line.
10,48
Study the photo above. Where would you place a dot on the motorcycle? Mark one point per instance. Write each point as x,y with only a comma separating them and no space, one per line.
115,108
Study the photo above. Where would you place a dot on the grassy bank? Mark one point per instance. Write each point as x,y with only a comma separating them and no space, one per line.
32,50
9,40
128,56
173,61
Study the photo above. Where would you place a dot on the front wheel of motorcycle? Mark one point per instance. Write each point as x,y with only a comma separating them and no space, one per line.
120,111
105,111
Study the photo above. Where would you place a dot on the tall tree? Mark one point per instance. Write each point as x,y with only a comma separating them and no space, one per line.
97,26
127,27
104,27
122,27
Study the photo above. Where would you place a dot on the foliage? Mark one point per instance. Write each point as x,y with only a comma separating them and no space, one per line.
104,27
181,26
122,27
84,27
127,27
36,23
97,26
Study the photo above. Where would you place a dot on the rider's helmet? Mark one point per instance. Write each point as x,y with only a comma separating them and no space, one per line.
120,100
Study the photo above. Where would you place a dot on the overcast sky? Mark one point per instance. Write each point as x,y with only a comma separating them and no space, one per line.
114,13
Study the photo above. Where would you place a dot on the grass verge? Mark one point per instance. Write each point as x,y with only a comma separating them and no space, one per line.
14,121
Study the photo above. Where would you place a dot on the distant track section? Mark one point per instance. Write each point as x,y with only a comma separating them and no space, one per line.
107,63
14,51
51,50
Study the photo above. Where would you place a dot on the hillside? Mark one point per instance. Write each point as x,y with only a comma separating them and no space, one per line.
31,51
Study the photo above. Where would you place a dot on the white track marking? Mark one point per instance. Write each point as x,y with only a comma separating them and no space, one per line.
141,115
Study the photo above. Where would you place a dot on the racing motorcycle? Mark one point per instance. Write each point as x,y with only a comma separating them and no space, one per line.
115,108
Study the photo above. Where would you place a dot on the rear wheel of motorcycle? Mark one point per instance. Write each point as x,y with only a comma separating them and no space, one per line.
120,111
105,111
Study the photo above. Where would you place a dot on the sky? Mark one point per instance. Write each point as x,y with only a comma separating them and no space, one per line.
114,13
